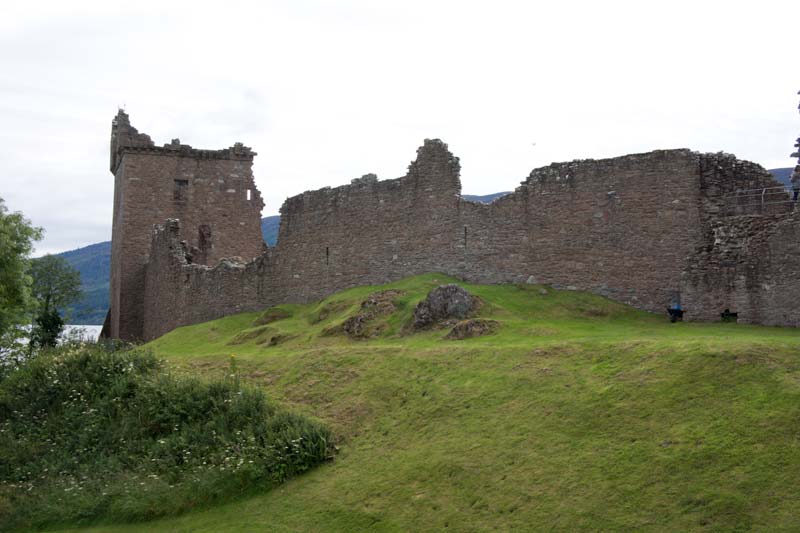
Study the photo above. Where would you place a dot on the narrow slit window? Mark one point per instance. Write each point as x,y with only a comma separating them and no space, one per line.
327,255
465,236
249,194
180,192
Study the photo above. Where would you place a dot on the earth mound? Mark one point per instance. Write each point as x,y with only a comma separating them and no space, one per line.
273,314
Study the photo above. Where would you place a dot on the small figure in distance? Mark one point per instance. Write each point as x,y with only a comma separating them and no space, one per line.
796,183
675,311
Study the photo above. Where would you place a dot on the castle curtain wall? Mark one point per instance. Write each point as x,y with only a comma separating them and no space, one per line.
641,229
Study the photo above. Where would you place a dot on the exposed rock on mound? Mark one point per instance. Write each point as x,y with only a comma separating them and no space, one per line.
443,303
475,327
361,325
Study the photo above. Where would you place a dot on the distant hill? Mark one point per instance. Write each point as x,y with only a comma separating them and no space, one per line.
486,199
783,175
94,264
269,229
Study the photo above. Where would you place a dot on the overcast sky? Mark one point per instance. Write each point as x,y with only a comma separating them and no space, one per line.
328,91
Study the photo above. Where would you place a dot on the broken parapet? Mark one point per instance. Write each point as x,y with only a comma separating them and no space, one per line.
125,135
178,292
126,138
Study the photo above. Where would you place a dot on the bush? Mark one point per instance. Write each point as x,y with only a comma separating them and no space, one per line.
88,434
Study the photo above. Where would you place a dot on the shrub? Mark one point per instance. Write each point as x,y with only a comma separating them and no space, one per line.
88,434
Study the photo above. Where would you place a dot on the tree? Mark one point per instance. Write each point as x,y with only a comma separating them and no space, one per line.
55,284
17,236
46,329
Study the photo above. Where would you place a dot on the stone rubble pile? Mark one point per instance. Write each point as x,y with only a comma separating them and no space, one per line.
443,303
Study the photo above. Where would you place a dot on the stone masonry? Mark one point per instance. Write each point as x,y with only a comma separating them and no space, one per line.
211,191
641,229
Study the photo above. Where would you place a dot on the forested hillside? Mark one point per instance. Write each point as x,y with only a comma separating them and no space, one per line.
94,264
783,175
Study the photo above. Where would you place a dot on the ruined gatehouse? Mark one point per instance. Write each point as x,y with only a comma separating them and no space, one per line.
643,229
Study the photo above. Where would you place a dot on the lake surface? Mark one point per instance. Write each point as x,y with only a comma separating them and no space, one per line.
89,333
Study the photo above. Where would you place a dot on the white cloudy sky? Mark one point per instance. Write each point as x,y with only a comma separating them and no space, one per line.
328,91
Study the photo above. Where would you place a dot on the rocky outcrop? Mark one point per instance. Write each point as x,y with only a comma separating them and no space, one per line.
362,325
443,303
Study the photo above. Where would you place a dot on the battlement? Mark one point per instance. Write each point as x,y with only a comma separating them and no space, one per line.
127,139
175,149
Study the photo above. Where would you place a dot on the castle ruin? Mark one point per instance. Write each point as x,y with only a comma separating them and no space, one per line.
717,232
212,193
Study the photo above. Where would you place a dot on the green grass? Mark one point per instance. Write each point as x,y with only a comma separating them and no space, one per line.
579,414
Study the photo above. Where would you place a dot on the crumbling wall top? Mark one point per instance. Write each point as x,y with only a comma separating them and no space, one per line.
127,139
435,168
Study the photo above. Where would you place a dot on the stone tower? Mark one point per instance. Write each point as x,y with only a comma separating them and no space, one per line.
211,192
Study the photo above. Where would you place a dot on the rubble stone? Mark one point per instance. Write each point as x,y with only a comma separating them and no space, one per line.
442,303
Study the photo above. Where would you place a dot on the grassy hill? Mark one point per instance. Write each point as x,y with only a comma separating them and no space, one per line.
578,414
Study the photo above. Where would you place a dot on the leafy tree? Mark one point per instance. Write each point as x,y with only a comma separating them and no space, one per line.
17,236
47,326
55,284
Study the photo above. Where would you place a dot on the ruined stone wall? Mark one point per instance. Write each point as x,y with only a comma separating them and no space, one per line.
620,226
370,231
179,292
211,192
597,226
634,228
749,265
740,206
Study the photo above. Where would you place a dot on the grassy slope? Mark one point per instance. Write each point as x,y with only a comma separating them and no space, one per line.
580,414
